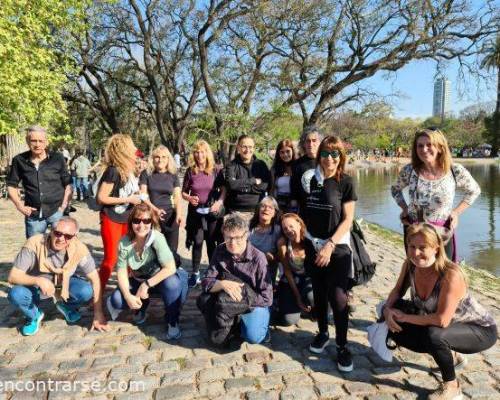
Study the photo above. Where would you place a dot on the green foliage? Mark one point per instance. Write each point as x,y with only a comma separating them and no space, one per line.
32,69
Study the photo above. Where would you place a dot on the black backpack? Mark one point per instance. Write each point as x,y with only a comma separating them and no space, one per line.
363,267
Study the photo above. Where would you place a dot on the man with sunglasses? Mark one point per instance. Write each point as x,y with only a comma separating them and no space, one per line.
56,266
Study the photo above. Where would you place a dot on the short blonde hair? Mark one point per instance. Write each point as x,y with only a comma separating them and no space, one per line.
210,165
171,166
120,153
438,139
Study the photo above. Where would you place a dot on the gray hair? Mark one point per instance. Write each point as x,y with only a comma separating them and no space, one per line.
306,132
35,128
70,220
234,222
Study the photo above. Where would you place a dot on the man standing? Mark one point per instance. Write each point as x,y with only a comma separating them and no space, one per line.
309,144
81,166
45,180
44,263
247,179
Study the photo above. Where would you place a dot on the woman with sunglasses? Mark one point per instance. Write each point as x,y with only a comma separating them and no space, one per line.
281,173
442,316
432,180
162,189
146,265
328,215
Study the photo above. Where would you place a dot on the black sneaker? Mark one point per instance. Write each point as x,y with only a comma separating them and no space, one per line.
319,343
344,359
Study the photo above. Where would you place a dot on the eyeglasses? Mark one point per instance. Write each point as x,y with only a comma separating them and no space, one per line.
333,153
59,234
234,238
145,221
247,147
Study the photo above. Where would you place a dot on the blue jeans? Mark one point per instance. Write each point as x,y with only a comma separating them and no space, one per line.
255,324
35,225
81,186
27,298
173,291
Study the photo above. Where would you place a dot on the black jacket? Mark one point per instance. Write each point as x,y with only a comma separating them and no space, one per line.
243,194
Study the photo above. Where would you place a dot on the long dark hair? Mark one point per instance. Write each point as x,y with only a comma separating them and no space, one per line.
333,143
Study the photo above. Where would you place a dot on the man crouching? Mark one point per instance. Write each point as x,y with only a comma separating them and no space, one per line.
49,262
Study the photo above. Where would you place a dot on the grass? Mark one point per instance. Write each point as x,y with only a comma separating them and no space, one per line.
181,361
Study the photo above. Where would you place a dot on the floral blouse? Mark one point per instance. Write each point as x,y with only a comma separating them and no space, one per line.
434,197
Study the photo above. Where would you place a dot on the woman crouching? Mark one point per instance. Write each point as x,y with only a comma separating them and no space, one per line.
145,253
444,316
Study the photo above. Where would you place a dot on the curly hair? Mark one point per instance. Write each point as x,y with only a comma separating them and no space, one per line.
202,145
120,153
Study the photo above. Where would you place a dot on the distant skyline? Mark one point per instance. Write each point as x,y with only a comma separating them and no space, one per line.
415,83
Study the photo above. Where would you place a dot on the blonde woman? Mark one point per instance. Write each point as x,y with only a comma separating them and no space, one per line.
118,192
163,192
442,316
204,189
432,180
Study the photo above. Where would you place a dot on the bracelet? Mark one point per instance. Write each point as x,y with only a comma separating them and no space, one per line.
147,283
332,242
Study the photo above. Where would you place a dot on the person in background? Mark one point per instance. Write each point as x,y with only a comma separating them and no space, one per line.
203,188
328,216
247,179
81,166
162,193
45,180
118,192
295,293
432,180
146,266
281,173
238,257
442,317
309,143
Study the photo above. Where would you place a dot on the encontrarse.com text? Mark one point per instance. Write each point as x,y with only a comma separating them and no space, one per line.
50,385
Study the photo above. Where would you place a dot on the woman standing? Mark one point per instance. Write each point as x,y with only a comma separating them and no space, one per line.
163,192
432,181
294,294
281,173
145,253
445,317
118,192
328,215
203,188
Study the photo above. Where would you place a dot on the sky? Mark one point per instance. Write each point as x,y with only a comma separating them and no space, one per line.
415,84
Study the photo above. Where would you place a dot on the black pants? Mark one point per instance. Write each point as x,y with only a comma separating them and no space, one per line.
289,311
209,235
440,342
330,285
170,230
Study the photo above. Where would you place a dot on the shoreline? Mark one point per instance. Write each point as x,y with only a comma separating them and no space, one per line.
360,164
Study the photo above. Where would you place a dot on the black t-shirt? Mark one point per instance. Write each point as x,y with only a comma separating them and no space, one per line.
111,175
323,210
300,166
161,186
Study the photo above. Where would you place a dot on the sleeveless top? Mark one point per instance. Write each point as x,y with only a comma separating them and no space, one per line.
468,309
296,263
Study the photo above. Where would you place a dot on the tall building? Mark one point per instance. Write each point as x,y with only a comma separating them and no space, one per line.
442,97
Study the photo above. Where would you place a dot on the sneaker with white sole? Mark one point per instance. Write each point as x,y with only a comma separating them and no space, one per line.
33,326
344,359
319,343
194,280
173,332
140,317
447,391
113,312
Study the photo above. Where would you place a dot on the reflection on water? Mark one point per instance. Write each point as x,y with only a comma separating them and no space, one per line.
478,231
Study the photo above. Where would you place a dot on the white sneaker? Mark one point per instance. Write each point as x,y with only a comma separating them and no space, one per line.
113,312
173,332
459,360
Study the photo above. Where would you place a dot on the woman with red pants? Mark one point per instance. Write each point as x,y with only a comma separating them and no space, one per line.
118,193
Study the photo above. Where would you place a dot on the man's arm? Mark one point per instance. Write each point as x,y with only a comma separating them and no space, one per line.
16,199
19,277
66,182
238,184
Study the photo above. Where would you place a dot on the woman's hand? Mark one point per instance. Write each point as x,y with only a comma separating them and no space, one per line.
134,199
404,217
142,292
134,302
453,220
216,206
324,255
270,257
390,318
178,219
160,214
302,306
194,200
233,289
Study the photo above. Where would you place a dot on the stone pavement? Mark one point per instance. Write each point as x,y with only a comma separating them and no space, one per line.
136,363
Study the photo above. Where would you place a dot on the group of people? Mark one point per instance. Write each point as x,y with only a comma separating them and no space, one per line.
278,241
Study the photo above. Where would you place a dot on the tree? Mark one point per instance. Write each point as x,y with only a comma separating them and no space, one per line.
32,72
492,61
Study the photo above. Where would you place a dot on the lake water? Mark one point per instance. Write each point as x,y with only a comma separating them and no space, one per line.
478,231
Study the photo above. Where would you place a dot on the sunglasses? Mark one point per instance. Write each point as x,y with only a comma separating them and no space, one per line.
145,221
59,234
333,153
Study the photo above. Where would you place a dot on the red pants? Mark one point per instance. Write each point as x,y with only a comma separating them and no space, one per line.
111,233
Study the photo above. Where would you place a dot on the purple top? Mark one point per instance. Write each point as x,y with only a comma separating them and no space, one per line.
251,268
201,184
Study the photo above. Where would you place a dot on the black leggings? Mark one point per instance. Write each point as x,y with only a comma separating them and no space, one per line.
210,237
439,342
170,230
289,311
